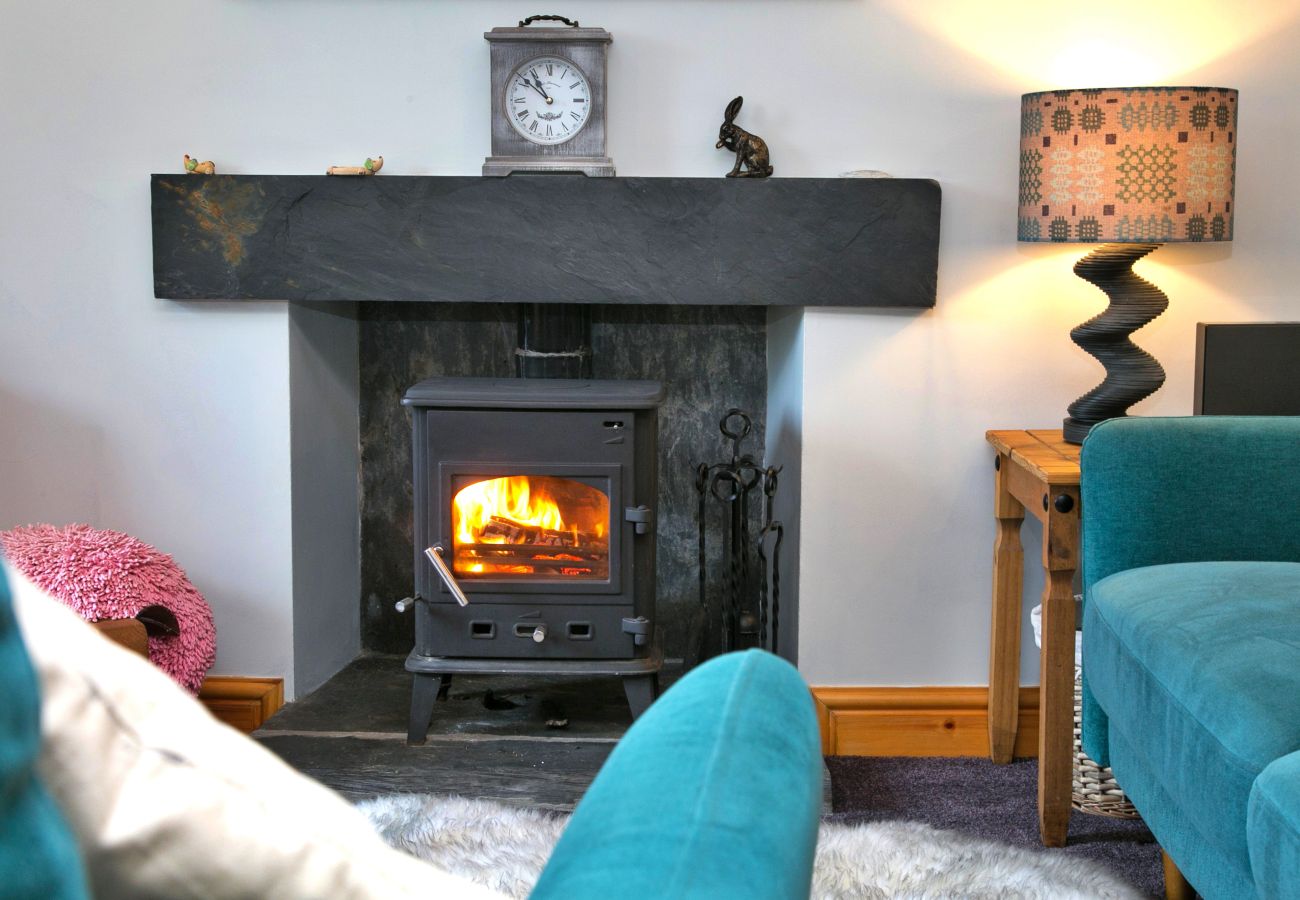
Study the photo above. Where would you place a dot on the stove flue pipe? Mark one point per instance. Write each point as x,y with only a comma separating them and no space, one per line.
554,341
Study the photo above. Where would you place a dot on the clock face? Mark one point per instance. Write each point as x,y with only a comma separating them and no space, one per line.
548,100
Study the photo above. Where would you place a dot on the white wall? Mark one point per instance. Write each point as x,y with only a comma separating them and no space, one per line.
896,405
163,420
324,441
171,421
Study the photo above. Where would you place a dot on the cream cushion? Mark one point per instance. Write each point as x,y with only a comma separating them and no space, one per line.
167,802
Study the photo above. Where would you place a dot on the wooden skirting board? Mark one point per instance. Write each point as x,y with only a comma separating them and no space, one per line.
240,702
916,721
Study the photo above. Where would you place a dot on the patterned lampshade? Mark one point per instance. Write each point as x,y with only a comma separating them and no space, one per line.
1144,164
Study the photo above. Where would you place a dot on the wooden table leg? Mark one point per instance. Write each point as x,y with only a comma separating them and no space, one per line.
1056,675
1004,635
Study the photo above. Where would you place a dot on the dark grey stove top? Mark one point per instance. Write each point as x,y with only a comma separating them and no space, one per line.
534,393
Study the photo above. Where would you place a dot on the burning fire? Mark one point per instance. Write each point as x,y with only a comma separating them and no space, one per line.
524,518
507,498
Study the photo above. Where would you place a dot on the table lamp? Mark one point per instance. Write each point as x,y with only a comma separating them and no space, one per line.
1129,169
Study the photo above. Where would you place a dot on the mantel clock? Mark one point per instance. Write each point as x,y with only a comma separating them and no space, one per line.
548,98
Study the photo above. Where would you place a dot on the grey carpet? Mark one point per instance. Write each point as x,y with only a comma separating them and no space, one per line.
996,803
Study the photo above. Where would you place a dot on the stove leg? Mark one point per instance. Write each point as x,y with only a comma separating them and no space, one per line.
641,691
424,693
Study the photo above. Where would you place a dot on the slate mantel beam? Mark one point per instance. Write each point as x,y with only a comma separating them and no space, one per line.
547,238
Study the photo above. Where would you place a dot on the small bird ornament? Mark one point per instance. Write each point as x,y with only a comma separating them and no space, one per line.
194,167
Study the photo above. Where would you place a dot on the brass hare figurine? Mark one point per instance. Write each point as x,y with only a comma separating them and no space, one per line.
750,149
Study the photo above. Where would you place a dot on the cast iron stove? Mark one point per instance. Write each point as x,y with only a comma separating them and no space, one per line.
534,533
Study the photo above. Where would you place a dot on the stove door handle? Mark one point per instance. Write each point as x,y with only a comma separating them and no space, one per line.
444,572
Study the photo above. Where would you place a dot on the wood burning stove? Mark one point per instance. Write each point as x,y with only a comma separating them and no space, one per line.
534,532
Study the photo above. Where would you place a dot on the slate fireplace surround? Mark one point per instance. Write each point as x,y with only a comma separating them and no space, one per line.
677,270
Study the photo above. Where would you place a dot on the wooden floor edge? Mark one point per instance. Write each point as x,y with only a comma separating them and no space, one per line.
915,721
242,702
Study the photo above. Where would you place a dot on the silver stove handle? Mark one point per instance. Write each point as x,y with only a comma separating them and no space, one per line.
444,572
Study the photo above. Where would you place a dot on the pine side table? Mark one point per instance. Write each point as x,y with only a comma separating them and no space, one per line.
1037,472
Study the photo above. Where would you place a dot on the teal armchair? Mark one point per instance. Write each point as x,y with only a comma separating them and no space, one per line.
1191,639
714,794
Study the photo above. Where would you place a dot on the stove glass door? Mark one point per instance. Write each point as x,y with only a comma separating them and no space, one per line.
530,527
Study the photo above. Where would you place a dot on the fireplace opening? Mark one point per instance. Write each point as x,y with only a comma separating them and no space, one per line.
405,343
530,526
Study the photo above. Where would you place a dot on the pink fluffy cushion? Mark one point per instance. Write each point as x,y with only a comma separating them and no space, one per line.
110,575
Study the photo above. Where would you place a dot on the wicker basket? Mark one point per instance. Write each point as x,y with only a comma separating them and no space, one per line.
1095,790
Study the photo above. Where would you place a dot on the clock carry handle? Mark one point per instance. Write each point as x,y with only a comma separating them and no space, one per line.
572,23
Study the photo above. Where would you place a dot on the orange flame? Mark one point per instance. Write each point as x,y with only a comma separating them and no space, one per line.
507,498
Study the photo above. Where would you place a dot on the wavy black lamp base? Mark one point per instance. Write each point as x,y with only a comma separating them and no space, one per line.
1132,374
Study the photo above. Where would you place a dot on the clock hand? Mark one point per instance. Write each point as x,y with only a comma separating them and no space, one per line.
537,86
531,85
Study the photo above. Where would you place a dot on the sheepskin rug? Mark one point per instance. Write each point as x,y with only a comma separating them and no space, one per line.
505,847
110,575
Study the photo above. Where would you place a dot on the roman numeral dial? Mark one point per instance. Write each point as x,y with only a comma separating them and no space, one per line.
547,100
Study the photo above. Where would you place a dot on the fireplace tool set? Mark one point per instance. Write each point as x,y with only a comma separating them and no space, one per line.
748,613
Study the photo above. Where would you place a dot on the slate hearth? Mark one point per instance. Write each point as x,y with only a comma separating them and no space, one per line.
709,359
489,740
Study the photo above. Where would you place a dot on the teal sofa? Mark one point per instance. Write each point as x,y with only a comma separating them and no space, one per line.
1191,639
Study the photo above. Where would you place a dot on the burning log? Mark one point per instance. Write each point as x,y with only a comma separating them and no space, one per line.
490,551
563,561
509,532
559,564
512,532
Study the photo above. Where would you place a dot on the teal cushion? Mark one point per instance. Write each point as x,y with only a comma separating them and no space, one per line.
1197,666
714,793
1273,829
1192,489
1213,873
38,856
